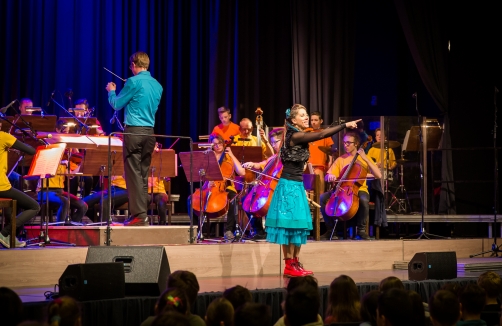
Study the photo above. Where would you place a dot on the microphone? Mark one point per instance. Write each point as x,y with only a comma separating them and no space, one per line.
414,95
114,118
68,93
50,100
4,109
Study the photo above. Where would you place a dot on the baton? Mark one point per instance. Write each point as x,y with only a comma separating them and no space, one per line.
115,75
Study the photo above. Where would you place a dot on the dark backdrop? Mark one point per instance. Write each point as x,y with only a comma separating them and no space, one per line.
332,56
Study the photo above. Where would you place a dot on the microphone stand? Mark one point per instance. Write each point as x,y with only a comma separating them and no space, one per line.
422,232
495,248
32,134
68,220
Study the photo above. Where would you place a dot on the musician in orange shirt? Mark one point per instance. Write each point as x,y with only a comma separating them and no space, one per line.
319,160
226,128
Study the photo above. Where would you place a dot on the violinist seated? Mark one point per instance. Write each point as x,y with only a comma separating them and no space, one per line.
57,196
245,138
86,182
275,139
119,198
320,161
83,105
230,166
375,154
351,142
157,190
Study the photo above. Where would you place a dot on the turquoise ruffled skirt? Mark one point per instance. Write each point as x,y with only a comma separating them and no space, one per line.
288,219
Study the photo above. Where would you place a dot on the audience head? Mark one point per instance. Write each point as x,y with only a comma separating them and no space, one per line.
220,313
302,306
390,282
453,288
394,308
418,313
472,300
173,299
171,318
343,300
444,308
296,282
369,303
64,311
491,283
186,281
238,295
253,314
11,307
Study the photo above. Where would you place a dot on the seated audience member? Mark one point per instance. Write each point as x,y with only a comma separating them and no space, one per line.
172,299
390,282
252,314
472,301
64,311
220,313
369,303
343,301
187,281
394,308
492,284
444,308
171,318
417,304
238,295
302,307
11,307
294,283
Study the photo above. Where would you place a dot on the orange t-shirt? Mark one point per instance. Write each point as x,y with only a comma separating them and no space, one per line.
226,131
317,157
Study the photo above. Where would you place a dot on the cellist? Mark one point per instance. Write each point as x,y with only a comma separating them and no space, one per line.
275,139
351,142
224,154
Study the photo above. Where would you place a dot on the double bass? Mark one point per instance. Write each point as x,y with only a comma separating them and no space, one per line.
344,200
259,197
214,195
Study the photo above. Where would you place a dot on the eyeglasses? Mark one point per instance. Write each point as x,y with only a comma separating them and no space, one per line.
246,129
348,142
217,144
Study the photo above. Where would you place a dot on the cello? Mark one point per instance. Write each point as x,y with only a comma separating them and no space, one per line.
259,197
344,201
214,195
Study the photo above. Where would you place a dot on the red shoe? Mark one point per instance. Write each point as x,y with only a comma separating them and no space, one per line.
299,266
291,269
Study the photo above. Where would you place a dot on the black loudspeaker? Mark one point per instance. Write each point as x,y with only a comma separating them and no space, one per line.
93,281
146,268
433,266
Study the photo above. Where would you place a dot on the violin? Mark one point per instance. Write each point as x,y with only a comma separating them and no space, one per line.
213,193
368,141
258,199
344,201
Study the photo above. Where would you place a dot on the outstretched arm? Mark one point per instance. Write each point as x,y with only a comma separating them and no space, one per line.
306,137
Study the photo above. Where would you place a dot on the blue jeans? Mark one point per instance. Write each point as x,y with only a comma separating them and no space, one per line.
60,198
119,198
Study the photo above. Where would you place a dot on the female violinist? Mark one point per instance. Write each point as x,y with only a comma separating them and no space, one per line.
229,166
275,139
288,220
351,142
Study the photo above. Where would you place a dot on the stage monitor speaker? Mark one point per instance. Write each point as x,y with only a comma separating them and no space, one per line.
146,268
93,281
433,266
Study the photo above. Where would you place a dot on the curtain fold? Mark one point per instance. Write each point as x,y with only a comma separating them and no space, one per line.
424,25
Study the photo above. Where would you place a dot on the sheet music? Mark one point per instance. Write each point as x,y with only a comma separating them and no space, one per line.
46,161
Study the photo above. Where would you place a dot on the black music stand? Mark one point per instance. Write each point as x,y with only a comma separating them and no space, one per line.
36,122
208,169
414,143
164,165
44,166
93,164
